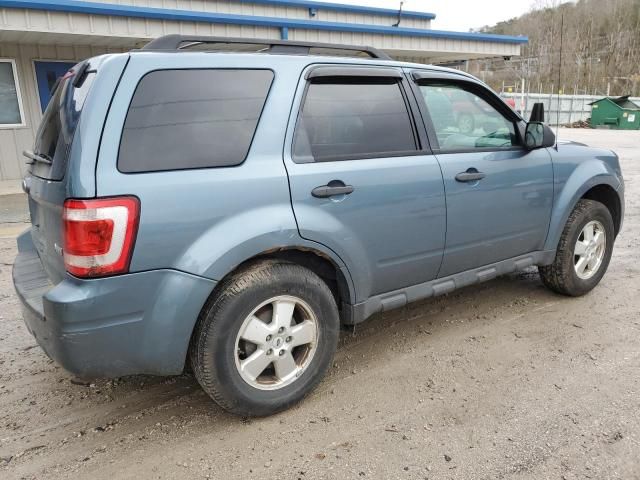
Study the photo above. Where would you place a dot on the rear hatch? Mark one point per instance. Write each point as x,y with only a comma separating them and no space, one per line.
54,161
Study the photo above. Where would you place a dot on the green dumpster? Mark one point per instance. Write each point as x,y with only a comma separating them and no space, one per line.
618,113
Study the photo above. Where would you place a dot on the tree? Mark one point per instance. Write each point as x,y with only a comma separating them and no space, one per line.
601,47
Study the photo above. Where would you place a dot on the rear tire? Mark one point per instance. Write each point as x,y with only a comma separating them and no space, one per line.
266,339
584,250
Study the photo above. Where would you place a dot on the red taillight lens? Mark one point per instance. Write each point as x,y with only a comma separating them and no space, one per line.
99,235
87,238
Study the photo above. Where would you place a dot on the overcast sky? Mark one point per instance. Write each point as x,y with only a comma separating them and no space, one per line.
456,15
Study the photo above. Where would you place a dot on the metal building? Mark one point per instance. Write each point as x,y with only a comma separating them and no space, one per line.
42,39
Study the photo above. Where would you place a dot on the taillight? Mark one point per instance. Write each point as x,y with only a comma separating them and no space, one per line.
99,235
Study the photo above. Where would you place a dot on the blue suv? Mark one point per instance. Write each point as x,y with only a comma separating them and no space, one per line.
229,204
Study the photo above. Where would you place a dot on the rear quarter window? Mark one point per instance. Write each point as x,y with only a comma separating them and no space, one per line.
58,126
186,119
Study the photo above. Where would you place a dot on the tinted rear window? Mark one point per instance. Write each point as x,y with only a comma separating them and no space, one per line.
59,122
360,119
182,119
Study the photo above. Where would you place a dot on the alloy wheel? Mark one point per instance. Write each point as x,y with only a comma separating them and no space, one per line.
589,251
276,342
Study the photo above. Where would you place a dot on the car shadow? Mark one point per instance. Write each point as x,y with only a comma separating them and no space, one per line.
472,303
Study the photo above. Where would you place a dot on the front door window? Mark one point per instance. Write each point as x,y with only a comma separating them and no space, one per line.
464,121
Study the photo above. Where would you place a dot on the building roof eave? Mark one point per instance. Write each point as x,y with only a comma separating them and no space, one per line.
109,9
345,8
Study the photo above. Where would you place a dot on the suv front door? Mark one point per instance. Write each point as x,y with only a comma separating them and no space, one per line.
499,195
363,182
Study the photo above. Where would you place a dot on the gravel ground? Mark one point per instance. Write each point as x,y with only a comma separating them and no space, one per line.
500,380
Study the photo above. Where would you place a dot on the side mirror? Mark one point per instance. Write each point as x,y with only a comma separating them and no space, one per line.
537,113
538,135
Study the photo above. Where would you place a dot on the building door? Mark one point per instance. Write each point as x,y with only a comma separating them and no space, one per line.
46,75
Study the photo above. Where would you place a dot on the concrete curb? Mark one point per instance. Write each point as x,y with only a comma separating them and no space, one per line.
10,187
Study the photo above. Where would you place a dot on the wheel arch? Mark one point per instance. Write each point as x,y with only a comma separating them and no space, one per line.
593,182
327,265
609,197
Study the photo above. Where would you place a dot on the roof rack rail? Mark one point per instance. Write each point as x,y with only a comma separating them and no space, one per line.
181,42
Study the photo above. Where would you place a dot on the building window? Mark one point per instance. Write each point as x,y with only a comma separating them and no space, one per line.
11,114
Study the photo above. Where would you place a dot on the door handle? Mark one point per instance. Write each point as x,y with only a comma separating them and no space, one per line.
471,175
334,187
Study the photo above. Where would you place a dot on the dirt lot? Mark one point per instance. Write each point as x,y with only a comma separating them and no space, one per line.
501,380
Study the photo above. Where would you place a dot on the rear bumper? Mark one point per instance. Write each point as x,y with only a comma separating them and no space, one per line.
109,327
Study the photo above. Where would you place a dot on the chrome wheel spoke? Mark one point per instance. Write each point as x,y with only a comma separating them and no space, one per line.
588,232
256,331
283,313
598,238
285,365
303,333
255,364
581,265
581,248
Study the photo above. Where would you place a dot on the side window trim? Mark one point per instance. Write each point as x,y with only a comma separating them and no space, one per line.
419,121
484,92
412,109
477,90
328,71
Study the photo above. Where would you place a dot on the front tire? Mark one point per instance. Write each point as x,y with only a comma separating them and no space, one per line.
266,339
584,250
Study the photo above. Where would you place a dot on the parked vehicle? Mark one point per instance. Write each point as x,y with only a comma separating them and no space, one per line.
470,112
509,101
233,210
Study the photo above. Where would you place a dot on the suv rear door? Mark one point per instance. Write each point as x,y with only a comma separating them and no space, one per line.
363,180
48,164
62,162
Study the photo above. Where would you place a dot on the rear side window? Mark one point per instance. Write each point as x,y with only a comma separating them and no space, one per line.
58,126
359,118
183,119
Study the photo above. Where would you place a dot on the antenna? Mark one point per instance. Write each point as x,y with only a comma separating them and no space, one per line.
397,24
559,79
